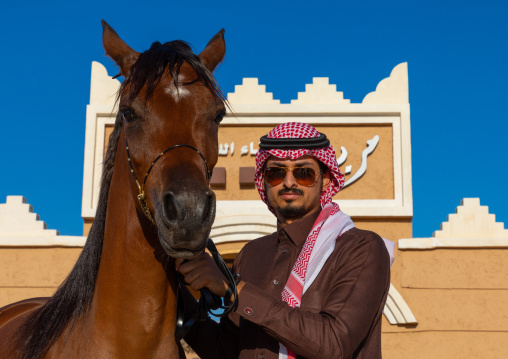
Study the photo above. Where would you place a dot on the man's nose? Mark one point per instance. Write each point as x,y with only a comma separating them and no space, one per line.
289,180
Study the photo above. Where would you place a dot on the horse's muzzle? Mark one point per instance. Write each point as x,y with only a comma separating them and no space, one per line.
184,220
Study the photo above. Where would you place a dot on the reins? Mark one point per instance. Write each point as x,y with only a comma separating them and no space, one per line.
141,187
208,301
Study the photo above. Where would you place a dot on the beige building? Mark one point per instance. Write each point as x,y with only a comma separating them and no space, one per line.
448,297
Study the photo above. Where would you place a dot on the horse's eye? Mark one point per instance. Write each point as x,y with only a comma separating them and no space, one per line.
219,117
128,115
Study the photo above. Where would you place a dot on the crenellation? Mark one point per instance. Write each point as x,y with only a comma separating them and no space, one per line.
18,219
250,92
103,88
471,220
391,90
320,91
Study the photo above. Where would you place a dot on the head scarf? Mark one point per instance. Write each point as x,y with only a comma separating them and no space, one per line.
326,155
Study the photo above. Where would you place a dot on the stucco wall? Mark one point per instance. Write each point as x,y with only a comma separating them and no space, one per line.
456,293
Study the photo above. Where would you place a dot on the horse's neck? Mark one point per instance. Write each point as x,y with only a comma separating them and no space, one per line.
134,297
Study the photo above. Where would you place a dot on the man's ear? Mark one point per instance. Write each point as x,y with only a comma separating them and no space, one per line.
326,180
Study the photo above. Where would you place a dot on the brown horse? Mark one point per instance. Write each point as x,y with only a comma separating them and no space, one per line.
119,300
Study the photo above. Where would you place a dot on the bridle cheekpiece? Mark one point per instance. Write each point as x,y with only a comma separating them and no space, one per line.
141,187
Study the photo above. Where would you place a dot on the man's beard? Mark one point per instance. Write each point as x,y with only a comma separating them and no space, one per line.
289,210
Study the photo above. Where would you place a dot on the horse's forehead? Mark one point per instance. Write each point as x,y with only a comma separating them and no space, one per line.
177,92
181,89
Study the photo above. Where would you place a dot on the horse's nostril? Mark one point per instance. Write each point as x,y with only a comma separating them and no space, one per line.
209,208
170,210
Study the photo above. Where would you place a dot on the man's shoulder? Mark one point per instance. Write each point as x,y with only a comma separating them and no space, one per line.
360,238
357,233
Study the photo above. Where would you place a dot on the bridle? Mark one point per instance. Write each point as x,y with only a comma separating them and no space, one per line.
141,187
208,301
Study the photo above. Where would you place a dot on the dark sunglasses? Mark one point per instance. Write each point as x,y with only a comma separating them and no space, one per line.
304,176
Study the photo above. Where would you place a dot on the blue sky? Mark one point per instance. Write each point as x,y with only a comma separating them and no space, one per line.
456,51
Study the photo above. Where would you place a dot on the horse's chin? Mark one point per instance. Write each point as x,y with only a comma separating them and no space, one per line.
186,250
181,252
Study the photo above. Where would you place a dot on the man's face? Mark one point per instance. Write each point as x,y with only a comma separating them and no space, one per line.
290,199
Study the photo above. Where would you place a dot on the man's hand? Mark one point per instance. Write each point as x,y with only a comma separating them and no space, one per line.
203,272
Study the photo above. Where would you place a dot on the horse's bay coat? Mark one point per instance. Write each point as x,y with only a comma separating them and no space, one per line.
119,301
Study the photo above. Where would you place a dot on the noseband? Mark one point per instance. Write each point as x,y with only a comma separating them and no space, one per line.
141,188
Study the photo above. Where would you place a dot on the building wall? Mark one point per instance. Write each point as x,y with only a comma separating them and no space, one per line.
456,284
448,293
450,298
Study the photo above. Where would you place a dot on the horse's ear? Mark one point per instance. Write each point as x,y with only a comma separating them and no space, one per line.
117,49
214,51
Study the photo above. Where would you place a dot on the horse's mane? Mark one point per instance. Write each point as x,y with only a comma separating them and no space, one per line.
73,298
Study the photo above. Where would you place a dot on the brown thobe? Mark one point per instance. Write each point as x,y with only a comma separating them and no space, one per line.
340,313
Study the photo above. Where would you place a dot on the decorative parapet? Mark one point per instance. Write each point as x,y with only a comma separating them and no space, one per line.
17,219
103,88
391,90
471,226
250,92
20,226
320,92
99,114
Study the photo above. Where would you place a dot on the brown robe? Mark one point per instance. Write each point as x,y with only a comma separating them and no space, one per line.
340,313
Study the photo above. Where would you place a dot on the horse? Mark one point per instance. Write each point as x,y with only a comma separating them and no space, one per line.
119,300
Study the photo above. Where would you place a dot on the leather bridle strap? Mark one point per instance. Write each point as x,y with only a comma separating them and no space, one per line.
141,187
208,301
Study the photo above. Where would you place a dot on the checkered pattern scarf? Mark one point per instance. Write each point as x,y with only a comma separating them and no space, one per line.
325,155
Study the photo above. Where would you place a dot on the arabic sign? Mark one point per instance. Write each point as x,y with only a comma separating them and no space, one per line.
364,154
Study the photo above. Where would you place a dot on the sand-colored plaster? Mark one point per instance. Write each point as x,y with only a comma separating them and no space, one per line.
36,267
455,268
108,129
10,295
456,309
377,183
87,224
445,345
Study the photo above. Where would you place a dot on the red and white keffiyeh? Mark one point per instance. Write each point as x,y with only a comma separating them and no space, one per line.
325,155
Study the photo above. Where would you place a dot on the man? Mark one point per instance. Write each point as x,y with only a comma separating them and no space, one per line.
316,288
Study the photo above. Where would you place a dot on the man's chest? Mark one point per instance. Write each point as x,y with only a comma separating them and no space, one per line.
270,270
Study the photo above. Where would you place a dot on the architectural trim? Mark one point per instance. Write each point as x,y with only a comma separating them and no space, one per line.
393,89
251,92
471,226
320,91
242,228
21,227
396,309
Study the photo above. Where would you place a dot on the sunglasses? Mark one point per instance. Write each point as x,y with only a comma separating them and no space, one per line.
304,176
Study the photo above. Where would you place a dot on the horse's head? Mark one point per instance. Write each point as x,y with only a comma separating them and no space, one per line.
169,98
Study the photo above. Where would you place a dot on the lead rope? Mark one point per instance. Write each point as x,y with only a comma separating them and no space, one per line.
208,301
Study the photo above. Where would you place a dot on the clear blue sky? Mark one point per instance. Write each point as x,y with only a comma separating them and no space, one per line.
456,51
